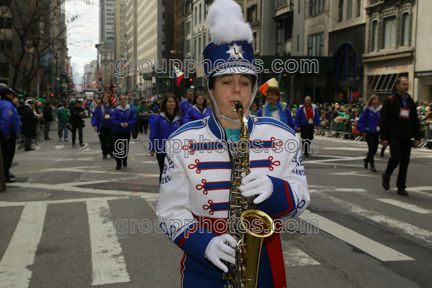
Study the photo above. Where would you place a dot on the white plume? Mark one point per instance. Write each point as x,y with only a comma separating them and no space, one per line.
226,23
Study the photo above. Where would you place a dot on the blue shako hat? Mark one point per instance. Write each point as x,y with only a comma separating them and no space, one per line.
230,51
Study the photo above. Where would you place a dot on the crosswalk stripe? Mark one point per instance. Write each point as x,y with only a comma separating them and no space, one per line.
377,217
107,259
22,248
57,147
373,248
293,256
405,205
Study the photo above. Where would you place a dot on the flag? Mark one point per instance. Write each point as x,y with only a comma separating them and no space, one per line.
45,59
112,93
152,98
272,82
178,77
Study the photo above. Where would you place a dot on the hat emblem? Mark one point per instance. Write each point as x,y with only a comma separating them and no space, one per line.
235,52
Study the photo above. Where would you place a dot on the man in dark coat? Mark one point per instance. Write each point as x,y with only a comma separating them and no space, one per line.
77,121
398,124
29,123
48,115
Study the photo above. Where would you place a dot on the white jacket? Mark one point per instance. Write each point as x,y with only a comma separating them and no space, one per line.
195,185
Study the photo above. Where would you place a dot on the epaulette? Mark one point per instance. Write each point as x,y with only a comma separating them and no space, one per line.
274,122
197,124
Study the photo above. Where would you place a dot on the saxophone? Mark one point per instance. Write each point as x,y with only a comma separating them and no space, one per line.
246,224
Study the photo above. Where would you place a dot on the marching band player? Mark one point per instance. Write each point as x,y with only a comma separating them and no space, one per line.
194,193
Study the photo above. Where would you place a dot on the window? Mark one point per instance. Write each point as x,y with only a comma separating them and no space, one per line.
316,45
316,7
405,29
195,47
347,63
358,8
187,46
252,14
350,9
374,40
199,44
200,13
389,32
195,15
340,10
298,4
254,43
187,28
204,42
205,12
280,3
298,43
6,23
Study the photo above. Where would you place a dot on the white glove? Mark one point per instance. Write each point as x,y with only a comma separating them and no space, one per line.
218,250
257,183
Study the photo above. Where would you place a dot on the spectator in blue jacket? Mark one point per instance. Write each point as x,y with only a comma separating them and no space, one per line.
199,110
274,108
9,127
307,118
369,126
103,125
123,119
167,122
187,103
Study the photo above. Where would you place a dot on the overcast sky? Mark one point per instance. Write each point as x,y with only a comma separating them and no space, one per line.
83,33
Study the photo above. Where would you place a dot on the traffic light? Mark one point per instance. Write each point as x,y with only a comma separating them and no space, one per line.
115,85
82,86
190,79
107,85
88,84
100,78
52,95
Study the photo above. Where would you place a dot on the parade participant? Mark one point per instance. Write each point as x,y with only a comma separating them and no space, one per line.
29,123
275,109
398,124
102,124
254,109
164,124
123,119
77,121
369,126
48,115
307,118
9,127
63,117
139,110
187,103
198,111
194,192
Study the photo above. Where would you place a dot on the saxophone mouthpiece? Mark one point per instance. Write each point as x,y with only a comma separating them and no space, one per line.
238,106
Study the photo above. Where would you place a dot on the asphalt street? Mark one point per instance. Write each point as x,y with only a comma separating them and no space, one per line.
72,220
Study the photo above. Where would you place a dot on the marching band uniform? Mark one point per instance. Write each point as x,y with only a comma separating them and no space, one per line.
194,192
195,113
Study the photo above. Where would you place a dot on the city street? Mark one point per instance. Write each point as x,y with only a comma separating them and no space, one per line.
58,221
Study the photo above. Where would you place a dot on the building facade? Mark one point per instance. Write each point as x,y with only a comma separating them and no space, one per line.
390,45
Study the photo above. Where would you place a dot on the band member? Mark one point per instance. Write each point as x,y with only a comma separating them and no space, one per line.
199,109
369,126
123,119
307,118
195,186
9,127
102,124
77,121
187,103
164,124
